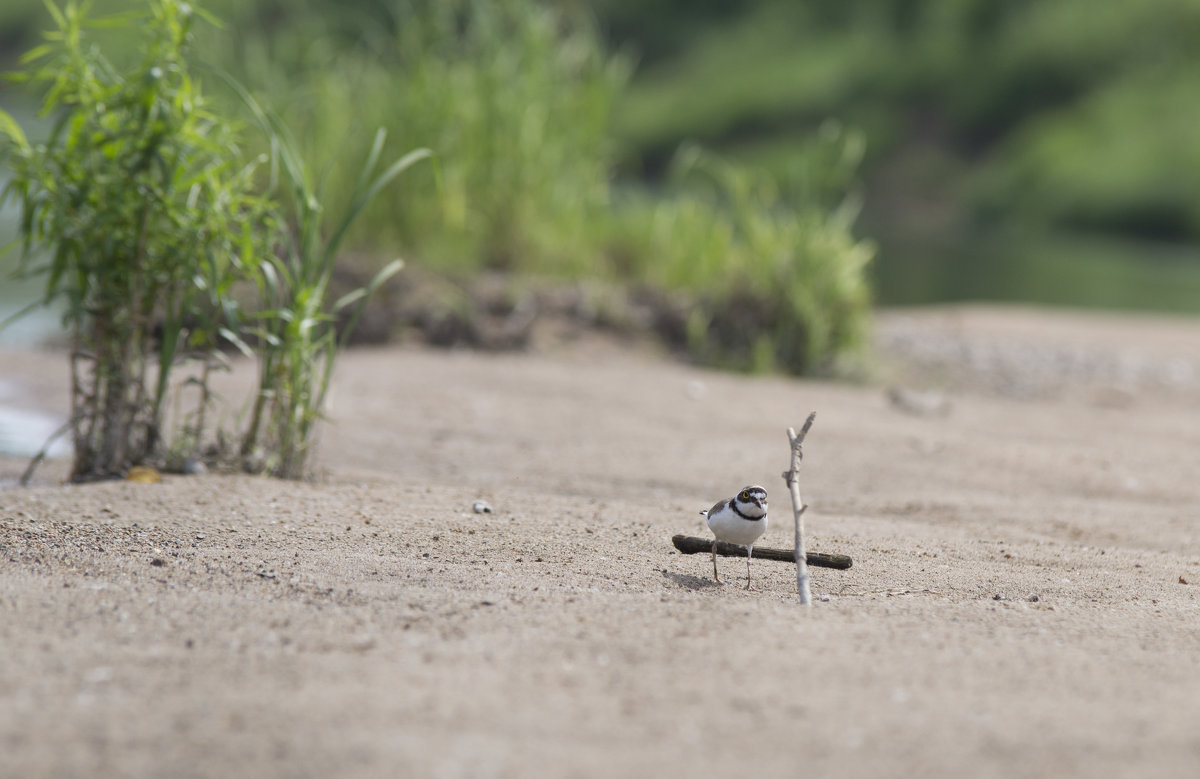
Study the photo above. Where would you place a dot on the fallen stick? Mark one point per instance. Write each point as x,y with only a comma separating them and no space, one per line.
694,545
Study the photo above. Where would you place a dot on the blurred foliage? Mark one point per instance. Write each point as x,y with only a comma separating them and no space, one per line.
989,126
516,98
513,97
781,276
996,132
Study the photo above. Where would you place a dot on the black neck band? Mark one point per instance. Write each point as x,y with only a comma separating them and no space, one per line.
733,504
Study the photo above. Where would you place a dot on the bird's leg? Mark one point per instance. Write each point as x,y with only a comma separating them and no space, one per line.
714,556
749,552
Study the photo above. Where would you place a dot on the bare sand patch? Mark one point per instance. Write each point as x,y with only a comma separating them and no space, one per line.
1017,605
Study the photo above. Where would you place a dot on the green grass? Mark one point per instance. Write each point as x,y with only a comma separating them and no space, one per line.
515,105
294,322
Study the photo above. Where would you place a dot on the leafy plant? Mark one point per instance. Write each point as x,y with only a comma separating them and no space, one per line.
298,343
154,230
515,96
149,220
779,277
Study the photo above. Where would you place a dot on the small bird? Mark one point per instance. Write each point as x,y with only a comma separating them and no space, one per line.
740,520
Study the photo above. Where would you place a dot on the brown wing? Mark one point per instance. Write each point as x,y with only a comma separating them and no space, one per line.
720,505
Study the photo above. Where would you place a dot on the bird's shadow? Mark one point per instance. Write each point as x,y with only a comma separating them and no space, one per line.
689,582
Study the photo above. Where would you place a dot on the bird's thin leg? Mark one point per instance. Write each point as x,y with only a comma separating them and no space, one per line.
749,552
714,556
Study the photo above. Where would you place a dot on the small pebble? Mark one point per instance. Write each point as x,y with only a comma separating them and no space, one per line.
481,507
255,462
930,403
144,474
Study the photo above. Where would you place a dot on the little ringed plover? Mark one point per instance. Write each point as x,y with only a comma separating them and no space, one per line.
740,520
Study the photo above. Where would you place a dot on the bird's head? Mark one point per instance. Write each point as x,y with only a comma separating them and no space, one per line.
752,501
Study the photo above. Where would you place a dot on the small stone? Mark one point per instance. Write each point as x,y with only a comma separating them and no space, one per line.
158,562
144,474
194,467
929,403
481,507
255,462
1033,598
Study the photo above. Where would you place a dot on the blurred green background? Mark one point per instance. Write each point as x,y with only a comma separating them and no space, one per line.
1040,151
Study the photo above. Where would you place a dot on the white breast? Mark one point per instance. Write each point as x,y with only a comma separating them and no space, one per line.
727,526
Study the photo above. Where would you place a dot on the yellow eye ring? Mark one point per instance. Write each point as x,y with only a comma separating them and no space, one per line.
745,495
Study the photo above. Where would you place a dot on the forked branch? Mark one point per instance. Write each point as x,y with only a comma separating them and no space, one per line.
792,477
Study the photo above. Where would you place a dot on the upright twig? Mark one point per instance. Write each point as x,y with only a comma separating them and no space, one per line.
792,477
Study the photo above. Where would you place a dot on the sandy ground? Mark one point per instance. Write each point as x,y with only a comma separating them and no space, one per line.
1023,602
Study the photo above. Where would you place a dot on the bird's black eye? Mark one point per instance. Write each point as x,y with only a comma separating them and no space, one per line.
745,495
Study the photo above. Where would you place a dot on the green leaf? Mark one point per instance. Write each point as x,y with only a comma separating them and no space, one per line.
385,273
349,298
9,127
363,197
59,18
236,340
372,160
8,320
34,54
